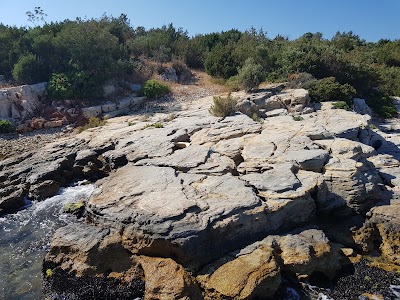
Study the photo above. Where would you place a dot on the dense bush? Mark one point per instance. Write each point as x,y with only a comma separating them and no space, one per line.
329,89
223,106
90,52
154,89
220,62
6,126
60,87
29,70
233,83
381,103
390,80
341,105
250,75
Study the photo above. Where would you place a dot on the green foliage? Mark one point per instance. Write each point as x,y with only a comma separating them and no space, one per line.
329,89
220,62
381,103
49,273
250,75
158,125
75,208
154,89
155,125
297,118
390,80
90,52
256,118
341,105
233,83
60,87
28,69
92,123
6,127
223,106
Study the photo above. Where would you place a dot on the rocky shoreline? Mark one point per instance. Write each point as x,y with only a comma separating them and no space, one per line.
218,208
17,143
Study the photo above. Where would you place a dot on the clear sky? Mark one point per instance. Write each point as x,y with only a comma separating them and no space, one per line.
370,19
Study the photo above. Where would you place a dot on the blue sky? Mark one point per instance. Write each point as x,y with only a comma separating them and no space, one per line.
370,19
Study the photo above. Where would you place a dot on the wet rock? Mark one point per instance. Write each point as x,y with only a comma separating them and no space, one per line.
43,190
75,208
367,281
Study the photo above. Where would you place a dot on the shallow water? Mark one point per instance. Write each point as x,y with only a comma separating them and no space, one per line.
25,238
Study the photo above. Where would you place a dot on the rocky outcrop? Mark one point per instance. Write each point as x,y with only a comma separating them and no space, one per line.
113,109
360,107
181,206
255,271
382,228
270,103
22,102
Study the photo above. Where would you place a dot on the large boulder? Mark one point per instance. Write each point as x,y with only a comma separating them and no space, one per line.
385,220
360,107
255,271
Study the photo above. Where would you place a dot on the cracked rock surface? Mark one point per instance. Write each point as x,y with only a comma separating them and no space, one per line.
215,200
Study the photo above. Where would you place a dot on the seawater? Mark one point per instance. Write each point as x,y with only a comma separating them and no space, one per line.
25,238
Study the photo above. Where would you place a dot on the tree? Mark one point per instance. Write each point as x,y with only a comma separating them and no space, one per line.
220,62
29,70
250,75
36,16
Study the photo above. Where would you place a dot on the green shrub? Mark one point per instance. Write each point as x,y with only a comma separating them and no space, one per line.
154,89
6,126
158,125
297,118
250,75
223,106
60,87
154,125
329,89
341,105
29,70
220,62
92,123
381,103
233,84
390,78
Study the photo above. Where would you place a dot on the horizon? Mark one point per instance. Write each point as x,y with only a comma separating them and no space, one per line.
368,20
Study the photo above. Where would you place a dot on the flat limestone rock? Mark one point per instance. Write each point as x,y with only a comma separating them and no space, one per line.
228,128
184,159
184,210
310,160
279,179
185,215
